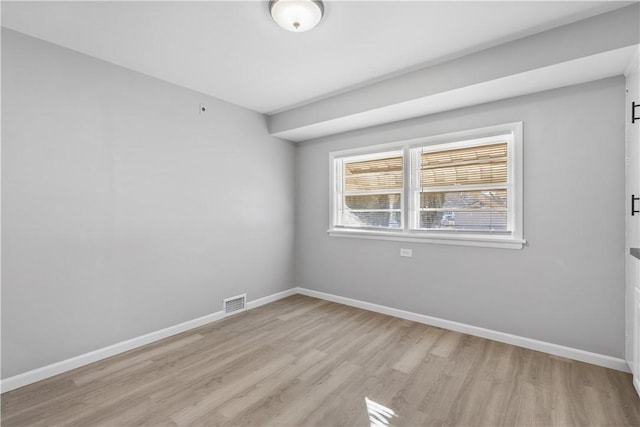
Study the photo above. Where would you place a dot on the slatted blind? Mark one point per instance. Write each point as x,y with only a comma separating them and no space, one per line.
466,166
464,188
379,174
371,194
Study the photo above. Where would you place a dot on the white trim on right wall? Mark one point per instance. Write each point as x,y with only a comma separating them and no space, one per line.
545,347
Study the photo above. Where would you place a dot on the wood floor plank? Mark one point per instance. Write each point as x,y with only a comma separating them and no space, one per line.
226,391
296,412
106,370
301,361
417,352
262,389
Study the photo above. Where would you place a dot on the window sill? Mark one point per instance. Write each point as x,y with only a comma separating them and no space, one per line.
500,242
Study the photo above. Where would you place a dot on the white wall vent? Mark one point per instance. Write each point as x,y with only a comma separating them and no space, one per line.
235,304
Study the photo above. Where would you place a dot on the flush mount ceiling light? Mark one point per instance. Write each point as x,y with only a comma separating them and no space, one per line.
296,15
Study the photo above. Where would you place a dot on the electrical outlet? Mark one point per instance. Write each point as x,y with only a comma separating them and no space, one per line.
406,252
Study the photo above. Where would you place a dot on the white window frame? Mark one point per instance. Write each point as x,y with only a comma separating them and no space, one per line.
512,239
338,191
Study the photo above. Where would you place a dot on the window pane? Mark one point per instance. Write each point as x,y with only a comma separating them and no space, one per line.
376,174
484,152
485,173
373,201
371,219
464,210
485,164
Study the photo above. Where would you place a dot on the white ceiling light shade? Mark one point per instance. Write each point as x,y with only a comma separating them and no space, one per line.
296,15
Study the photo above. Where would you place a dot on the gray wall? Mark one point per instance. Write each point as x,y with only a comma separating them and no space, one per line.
566,286
124,211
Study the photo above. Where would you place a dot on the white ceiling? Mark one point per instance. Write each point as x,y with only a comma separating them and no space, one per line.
233,51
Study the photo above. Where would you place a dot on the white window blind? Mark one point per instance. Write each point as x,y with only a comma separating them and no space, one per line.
369,191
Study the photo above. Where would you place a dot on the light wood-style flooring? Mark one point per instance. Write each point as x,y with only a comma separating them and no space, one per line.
303,361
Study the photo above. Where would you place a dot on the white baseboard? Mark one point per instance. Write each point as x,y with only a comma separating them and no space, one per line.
271,298
555,349
48,371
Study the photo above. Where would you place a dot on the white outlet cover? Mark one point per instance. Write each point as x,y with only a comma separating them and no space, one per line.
406,252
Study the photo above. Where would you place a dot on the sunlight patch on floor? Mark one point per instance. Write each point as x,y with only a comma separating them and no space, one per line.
379,415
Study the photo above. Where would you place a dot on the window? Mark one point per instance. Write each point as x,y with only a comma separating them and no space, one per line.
461,188
369,191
